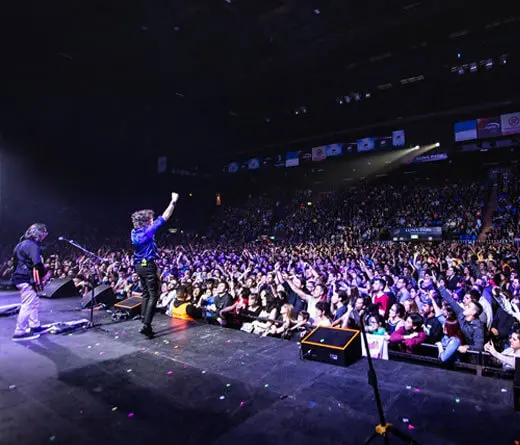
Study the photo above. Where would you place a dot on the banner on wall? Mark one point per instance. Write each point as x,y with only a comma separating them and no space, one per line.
377,345
510,123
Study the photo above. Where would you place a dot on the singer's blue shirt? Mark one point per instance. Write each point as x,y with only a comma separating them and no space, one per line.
143,240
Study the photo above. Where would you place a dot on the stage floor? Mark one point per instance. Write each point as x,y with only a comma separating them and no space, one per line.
200,384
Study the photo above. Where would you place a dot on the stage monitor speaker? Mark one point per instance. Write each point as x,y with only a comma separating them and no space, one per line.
132,306
332,345
60,288
103,294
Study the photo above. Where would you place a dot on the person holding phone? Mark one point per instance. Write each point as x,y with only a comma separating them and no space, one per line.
145,257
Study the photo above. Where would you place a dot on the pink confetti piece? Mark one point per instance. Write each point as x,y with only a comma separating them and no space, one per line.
186,366
130,415
170,372
228,341
416,390
101,353
410,426
28,346
242,404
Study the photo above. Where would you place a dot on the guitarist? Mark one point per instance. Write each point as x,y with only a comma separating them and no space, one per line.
28,276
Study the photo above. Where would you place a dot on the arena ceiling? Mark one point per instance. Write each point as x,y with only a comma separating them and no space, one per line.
180,75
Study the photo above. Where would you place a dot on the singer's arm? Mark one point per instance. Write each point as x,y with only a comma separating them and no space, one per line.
169,210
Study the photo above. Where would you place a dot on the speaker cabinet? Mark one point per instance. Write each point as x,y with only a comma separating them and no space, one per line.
103,294
332,345
60,288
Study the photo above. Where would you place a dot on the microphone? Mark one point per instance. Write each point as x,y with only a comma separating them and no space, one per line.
61,238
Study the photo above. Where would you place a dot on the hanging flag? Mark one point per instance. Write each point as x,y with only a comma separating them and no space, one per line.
161,164
292,159
334,150
319,153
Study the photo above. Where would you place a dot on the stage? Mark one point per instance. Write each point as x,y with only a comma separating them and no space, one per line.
200,384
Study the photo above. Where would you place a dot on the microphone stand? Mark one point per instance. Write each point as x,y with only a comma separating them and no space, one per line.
92,282
383,429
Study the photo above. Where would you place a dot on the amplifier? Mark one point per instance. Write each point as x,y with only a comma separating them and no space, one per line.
131,305
332,345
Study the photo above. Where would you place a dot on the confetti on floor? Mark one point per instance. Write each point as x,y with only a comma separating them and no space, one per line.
89,347
322,340
416,390
114,409
228,385
266,385
128,370
156,353
130,415
176,347
101,353
228,341
222,397
503,390
405,419
170,372
97,344
203,372
166,342
457,400
410,426
52,438
12,386
116,337
408,387
242,404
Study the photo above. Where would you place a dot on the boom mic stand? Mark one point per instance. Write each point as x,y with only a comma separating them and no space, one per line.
92,294
384,429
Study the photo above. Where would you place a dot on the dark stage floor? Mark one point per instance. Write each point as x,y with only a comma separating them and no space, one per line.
199,384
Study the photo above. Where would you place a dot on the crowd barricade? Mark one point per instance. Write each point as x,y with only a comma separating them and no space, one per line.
481,363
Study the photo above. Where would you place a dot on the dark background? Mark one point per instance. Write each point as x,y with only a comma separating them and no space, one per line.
93,92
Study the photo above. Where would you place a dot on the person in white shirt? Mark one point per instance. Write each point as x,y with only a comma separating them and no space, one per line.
509,355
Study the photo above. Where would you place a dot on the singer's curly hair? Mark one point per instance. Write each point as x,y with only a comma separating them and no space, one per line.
36,232
141,218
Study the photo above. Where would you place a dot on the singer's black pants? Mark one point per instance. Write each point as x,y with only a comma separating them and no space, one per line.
150,284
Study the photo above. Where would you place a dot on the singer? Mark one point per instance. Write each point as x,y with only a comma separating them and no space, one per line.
28,276
145,255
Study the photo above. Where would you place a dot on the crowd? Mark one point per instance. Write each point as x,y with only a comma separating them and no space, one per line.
325,267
